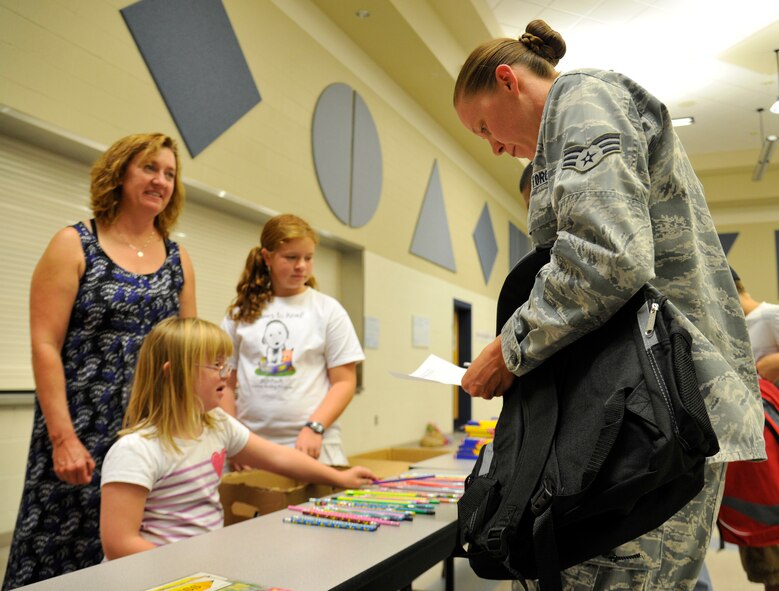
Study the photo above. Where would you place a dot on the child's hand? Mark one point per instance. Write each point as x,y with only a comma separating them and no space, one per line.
238,467
356,477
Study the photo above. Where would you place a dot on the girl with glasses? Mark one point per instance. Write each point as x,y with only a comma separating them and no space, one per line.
160,479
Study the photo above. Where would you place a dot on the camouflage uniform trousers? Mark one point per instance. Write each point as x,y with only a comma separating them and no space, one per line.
669,557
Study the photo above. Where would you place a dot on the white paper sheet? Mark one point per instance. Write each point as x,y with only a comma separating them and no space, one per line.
434,369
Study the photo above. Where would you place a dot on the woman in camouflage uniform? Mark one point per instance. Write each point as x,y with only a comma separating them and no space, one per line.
613,190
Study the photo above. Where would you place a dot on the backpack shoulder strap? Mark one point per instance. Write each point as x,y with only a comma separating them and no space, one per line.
518,283
533,398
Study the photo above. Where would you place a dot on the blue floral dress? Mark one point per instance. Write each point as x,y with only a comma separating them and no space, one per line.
58,526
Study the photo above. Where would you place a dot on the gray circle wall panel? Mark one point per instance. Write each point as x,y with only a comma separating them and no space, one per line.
347,155
366,171
332,146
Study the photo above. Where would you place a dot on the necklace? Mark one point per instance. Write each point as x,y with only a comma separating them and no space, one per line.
138,251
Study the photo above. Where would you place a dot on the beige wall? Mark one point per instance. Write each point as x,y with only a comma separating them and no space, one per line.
750,208
393,410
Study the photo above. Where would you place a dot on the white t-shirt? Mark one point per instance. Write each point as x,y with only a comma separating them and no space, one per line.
763,327
183,487
282,360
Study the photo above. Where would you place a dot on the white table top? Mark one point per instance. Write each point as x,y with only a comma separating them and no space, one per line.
445,463
268,552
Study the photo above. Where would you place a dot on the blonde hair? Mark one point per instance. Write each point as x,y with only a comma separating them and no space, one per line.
108,173
539,49
163,396
254,289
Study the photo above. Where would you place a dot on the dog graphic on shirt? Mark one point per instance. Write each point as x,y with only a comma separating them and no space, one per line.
277,360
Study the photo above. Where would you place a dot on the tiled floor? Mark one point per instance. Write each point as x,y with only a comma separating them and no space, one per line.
724,567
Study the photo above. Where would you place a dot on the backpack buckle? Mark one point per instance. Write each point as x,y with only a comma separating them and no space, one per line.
495,543
542,499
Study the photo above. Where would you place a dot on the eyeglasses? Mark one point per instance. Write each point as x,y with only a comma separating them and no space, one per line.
224,369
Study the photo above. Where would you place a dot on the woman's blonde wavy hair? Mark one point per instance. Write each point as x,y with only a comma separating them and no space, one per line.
254,289
163,397
108,172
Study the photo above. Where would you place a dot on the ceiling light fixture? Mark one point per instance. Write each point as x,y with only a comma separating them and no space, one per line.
766,150
682,121
775,106
362,13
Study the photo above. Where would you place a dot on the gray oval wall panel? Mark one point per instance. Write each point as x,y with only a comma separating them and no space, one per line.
347,154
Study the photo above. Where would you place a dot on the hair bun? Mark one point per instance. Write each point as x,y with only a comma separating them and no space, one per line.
544,41
531,41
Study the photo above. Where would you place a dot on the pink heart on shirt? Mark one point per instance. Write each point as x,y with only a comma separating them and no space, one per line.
218,461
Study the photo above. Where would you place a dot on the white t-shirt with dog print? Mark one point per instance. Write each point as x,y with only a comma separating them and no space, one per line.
282,360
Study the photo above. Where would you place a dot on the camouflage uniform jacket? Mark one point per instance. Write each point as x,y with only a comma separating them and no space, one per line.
615,192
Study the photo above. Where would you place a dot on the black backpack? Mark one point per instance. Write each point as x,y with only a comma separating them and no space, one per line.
598,445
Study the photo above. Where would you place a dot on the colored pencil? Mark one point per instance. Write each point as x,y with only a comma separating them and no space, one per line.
319,522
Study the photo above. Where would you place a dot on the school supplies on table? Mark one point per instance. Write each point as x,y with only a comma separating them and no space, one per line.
470,447
387,503
478,434
210,582
404,479
383,513
342,515
333,523
484,429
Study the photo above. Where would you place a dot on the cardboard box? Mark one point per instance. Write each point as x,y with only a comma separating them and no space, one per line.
245,494
257,492
411,455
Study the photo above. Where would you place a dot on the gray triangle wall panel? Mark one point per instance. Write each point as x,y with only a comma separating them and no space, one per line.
486,244
432,240
197,64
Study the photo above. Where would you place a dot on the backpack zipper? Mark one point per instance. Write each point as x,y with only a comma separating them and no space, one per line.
649,328
615,559
650,323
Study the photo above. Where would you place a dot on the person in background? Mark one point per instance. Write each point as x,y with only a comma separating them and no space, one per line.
161,478
98,289
295,349
613,193
524,183
761,563
763,326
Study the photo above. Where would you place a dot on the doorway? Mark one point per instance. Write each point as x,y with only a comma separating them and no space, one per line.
461,355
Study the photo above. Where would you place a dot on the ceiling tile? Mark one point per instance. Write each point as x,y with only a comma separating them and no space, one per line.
580,7
617,12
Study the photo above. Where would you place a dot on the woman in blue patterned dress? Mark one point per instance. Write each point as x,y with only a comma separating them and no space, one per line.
98,289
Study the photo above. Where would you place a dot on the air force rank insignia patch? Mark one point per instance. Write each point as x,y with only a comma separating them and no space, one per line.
584,158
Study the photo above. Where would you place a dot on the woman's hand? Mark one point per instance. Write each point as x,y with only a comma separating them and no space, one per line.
488,376
309,443
72,462
356,477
